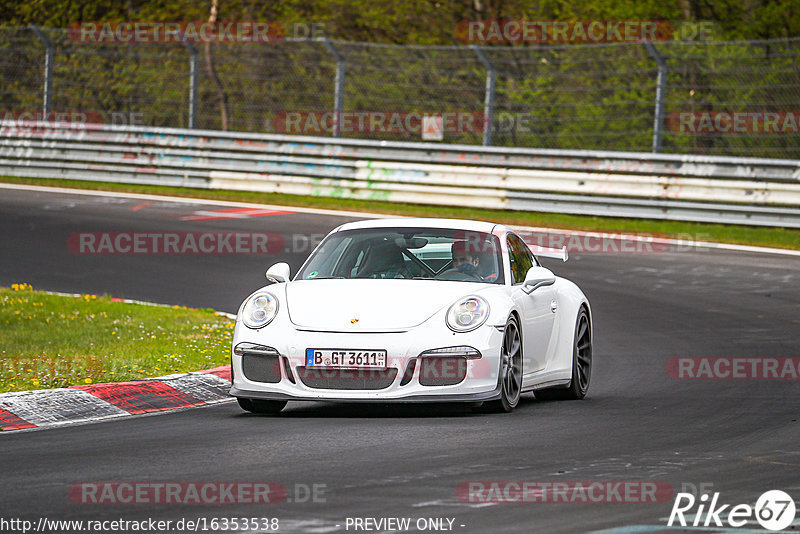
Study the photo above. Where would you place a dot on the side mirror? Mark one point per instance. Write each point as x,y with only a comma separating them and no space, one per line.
279,273
536,278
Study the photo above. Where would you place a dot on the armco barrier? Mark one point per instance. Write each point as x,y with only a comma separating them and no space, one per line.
763,192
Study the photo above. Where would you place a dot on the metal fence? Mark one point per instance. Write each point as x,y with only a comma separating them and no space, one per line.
750,191
725,98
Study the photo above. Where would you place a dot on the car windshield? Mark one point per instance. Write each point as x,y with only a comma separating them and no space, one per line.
407,253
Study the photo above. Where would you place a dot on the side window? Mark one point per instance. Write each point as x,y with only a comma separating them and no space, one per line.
520,257
528,253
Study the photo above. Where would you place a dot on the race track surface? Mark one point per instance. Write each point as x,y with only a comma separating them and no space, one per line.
737,437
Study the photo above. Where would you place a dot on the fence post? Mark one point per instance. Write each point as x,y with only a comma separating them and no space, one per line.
48,70
338,97
488,105
193,72
661,90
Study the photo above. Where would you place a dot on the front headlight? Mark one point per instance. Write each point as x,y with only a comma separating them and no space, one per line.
467,314
259,310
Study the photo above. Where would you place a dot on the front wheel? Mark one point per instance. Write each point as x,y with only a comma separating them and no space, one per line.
581,364
510,369
261,406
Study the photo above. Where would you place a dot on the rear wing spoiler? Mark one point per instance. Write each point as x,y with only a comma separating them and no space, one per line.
555,253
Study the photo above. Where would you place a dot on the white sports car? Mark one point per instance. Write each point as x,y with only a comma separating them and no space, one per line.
413,310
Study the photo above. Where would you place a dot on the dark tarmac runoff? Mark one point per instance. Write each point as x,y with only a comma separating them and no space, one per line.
339,462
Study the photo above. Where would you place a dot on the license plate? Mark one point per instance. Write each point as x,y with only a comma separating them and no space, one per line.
358,359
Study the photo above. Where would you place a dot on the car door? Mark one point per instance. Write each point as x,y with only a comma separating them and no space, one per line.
537,308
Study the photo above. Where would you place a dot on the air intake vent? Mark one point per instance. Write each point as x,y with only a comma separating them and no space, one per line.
262,368
442,371
350,379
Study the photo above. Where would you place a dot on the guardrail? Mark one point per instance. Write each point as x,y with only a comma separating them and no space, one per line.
763,192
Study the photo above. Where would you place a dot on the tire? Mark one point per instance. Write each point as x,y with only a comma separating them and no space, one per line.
510,375
581,364
260,406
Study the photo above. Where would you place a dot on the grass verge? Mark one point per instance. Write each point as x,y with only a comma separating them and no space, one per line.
49,341
688,231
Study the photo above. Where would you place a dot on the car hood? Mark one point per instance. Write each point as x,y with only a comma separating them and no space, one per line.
370,305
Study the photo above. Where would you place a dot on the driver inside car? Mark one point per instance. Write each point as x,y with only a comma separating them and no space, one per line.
464,261
467,259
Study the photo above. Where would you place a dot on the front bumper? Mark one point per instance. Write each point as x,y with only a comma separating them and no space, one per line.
407,378
470,397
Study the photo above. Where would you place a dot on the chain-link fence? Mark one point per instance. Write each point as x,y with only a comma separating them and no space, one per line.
729,98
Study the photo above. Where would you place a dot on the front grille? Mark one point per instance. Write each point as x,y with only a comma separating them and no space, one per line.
445,371
350,379
262,368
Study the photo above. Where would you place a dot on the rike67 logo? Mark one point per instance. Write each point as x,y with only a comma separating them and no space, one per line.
774,510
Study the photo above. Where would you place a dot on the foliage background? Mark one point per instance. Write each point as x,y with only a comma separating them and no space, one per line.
569,96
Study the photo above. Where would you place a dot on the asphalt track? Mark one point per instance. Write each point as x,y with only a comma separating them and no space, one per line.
741,436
